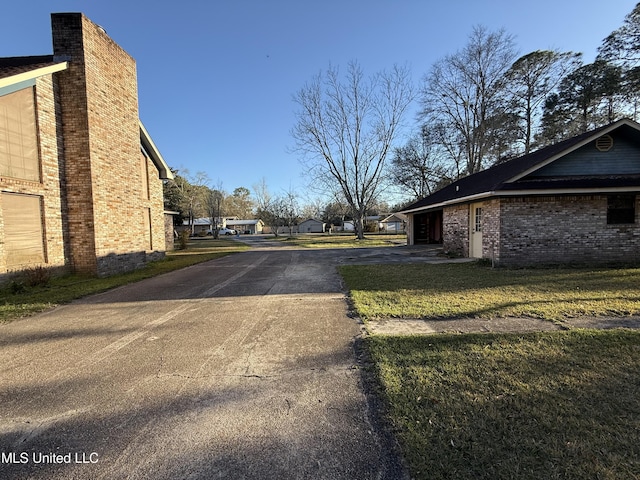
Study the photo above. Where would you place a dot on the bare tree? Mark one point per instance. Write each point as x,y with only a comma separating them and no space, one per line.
189,194
345,129
290,209
463,93
418,165
261,194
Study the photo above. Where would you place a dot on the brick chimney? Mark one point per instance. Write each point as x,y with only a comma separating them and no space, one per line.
101,135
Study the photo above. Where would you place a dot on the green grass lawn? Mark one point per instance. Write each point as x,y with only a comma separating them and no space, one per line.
533,406
343,240
17,300
474,290
560,404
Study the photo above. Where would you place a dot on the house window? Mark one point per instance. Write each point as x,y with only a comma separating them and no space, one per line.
18,139
621,209
23,232
478,219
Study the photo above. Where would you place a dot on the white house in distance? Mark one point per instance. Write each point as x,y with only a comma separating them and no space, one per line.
311,225
203,225
250,227
394,223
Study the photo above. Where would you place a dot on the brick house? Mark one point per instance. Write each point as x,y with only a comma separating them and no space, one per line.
573,202
76,163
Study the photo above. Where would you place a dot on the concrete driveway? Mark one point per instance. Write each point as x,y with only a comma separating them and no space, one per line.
243,367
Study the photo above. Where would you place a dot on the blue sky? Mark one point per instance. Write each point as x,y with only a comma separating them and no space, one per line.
216,78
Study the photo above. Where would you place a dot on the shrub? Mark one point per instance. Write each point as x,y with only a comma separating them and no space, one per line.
36,276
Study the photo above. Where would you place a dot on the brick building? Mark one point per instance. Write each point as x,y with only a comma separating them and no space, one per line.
573,202
80,177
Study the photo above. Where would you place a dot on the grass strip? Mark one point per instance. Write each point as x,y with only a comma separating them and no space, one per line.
474,290
487,406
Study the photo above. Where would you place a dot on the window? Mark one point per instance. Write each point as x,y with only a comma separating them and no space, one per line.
478,219
23,233
18,140
621,209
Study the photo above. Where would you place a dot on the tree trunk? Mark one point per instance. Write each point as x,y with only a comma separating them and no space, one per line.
358,224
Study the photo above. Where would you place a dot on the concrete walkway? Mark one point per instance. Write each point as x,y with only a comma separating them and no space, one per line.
243,367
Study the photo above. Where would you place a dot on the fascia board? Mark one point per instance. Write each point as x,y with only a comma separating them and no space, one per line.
156,157
515,193
568,191
32,74
470,198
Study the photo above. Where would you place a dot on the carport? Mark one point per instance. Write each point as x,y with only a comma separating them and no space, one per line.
427,227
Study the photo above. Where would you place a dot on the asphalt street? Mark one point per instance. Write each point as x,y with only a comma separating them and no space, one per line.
239,368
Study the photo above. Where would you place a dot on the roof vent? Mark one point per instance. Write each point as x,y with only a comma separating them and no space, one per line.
604,143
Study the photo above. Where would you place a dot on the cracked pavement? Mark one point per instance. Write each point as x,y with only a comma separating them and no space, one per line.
243,367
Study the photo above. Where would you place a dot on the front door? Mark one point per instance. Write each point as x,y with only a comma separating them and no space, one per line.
475,231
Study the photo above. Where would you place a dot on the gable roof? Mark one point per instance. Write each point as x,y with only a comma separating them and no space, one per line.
502,178
15,70
312,220
394,217
163,168
245,222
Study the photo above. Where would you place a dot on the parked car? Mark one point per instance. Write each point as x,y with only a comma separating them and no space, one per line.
226,231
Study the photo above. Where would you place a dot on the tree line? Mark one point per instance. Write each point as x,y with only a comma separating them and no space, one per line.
193,197
478,107
483,104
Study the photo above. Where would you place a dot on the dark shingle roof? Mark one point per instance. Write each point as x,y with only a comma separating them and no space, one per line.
11,66
494,179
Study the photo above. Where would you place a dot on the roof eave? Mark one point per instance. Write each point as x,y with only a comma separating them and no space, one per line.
163,168
33,74
516,193
446,203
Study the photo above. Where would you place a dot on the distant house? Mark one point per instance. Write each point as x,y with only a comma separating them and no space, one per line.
199,226
373,221
204,226
311,225
576,201
246,226
80,176
394,223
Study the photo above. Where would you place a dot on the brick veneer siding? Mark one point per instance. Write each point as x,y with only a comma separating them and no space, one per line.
168,231
105,188
564,229
455,230
491,223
